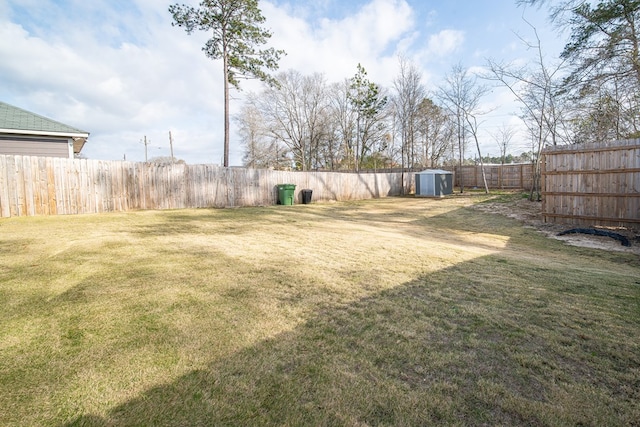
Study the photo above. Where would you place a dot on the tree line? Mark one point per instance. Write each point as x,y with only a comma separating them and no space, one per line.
306,123
590,93
303,122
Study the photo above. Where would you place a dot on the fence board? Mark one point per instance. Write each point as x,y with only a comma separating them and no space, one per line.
5,205
510,176
592,184
21,187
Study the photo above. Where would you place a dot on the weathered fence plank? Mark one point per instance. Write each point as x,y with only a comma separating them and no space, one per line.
592,184
508,177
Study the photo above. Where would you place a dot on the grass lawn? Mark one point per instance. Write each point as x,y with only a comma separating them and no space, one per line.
396,312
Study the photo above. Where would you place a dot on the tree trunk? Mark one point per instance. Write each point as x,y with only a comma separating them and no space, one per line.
484,175
357,151
226,109
461,155
402,165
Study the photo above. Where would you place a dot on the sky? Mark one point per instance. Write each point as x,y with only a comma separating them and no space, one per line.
119,70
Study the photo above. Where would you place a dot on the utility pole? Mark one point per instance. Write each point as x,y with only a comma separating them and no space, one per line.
171,146
145,149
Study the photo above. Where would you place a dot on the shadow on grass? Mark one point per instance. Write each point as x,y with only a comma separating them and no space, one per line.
11,246
230,221
496,340
246,220
474,344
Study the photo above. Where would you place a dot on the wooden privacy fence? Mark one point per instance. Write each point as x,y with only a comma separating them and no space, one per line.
515,176
592,184
511,176
55,186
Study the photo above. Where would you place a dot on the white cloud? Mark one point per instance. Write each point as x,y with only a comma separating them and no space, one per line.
117,92
445,42
335,46
134,75
121,71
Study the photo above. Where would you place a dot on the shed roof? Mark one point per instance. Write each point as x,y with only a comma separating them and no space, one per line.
17,120
435,171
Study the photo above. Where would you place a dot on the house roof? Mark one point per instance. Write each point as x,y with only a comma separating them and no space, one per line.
19,121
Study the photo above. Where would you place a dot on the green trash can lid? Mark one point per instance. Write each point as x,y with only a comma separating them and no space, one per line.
287,186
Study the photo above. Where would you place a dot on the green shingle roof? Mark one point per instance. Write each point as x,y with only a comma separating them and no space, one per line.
14,118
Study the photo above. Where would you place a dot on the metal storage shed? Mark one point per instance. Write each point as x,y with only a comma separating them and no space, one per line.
434,183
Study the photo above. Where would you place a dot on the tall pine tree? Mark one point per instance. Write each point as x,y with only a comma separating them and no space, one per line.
236,35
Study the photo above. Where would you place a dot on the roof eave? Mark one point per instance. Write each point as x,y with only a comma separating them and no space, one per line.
78,143
45,133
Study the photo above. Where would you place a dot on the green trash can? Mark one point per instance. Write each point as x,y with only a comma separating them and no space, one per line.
286,193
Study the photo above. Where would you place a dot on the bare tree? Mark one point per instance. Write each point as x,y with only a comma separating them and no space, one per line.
316,109
538,91
451,95
472,122
343,119
251,130
295,113
461,94
503,136
409,92
436,132
261,150
166,160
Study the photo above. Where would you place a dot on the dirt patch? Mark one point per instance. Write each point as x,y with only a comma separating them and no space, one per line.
530,214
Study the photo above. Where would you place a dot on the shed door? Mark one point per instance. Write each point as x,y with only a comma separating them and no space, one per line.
443,184
424,184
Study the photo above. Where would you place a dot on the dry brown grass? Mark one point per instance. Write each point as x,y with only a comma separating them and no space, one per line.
388,312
